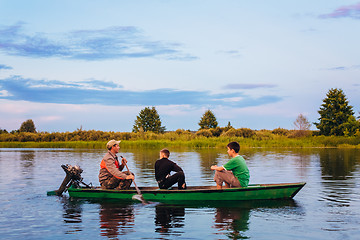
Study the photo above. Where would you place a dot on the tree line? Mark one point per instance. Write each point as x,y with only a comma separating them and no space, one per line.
336,119
179,134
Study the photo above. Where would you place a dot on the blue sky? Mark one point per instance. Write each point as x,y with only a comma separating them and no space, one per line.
96,64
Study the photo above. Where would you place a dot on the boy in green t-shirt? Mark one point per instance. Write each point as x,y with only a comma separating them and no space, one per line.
234,173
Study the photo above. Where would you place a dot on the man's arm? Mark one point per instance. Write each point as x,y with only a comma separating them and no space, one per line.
176,168
123,162
113,170
215,167
121,167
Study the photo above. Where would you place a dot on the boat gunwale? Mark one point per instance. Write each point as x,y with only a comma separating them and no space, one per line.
195,189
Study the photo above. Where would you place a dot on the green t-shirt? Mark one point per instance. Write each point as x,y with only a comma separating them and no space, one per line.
238,166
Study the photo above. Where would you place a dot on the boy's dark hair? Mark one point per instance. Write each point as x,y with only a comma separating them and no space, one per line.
166,152
235,146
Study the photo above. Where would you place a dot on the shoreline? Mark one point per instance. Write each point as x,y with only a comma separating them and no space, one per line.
215,142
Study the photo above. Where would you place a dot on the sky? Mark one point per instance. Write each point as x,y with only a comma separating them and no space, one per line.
96,64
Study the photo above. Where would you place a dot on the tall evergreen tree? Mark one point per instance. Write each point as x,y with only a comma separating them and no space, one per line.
208,120
336,115
148,120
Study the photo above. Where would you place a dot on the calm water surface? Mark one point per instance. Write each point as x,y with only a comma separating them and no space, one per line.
328,207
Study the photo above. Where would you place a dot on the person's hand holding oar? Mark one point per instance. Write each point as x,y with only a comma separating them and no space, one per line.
139,196
130,176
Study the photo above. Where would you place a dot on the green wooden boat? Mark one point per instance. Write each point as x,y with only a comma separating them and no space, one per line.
204,193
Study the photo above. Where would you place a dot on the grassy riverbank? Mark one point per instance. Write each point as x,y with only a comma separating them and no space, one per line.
202,142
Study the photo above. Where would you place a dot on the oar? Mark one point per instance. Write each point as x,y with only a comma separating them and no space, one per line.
139,196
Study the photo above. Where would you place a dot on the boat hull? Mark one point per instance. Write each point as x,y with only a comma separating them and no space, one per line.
252,192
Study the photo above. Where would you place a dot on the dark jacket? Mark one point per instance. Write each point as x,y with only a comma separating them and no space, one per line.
163,167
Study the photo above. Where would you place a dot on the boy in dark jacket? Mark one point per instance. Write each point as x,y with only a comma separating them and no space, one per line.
163,168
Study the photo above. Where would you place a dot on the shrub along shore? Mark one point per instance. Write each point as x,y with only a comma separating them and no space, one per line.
211,138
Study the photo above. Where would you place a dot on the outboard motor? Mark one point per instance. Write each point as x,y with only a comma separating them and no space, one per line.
73,177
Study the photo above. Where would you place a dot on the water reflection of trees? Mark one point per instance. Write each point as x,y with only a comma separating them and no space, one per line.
338,163
337,169
144,160
27,161
168,218
208,157
292,163
144,157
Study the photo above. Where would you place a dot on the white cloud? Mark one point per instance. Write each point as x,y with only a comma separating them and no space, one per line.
4,93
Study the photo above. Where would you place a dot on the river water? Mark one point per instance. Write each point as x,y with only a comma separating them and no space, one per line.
328,207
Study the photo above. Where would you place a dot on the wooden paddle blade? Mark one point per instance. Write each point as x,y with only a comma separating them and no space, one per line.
139,198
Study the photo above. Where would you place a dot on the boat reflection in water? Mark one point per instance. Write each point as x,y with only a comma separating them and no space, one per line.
234,222
168,218
72,214
232,219
116,218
